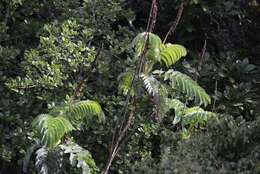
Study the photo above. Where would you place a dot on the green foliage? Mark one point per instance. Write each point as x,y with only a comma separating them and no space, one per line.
79,157
51,129
178,107
154,45
195,116
233,80
167,54
28,155
84,109
174,81
171,53
189,118
228,146
48,161
48,48
53,126
63,58
160,87
66,50
224,23
151,85
55,160
185,84
186,115
45,50
125,82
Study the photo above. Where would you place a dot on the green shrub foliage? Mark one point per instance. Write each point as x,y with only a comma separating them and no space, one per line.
228,146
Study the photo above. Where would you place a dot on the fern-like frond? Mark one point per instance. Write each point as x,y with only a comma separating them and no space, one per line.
78,111
125,81
171,53
48,161
79,157
185,84
51,129
151,84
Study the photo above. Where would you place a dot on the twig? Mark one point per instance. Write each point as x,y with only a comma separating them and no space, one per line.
175,23
152,17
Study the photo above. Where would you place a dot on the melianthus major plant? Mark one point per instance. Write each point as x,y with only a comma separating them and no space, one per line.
166,86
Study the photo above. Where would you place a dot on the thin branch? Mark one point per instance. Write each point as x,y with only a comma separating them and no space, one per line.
202,55
175,23
152,17
215,98
116,146
150,26
126,123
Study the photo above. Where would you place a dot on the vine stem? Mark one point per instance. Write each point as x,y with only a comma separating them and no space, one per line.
126,123
175,23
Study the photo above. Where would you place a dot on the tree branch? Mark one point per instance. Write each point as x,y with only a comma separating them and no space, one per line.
175,23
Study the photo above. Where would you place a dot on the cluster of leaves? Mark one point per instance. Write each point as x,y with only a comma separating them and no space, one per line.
168,55
51,129
231,38
234,80
228,146
163,88
46,50
231,47
228,76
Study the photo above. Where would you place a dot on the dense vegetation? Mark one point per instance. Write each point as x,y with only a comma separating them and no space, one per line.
137,86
